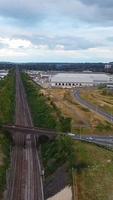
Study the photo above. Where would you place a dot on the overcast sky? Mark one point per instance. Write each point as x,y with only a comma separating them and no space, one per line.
56,30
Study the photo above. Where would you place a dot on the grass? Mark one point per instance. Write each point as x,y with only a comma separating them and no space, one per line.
83,120
92,165
106,92
46,115
7,107
58,153
7,99
95,180
5,143
104,127
44,112
100,97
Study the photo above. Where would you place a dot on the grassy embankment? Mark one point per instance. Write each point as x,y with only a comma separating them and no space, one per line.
100,97
92,166
45,114
7,106
83,120
94,180
103,99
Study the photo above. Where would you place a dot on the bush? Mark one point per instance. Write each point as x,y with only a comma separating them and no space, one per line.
57,153
107,92
44,114
7,99
102,127
5,143
65,124
7,108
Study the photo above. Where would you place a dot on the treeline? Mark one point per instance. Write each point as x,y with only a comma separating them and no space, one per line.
6,65
46,115
7,109
76,67
7,98
44,112
5,144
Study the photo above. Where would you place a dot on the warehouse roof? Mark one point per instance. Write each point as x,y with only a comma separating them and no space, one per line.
80,77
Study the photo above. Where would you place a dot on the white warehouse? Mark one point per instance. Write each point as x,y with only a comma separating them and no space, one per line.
68,80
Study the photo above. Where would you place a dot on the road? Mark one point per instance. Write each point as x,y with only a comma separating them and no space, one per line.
25,180
93,107
103,141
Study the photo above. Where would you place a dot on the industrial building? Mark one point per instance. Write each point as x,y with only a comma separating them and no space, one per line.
68,80
3,73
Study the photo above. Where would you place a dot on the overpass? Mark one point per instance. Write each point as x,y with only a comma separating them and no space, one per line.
49,135
40,133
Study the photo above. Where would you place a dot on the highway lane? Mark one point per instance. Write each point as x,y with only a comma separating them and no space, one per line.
93,107
105,141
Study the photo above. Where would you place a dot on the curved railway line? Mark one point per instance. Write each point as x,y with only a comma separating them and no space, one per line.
24,179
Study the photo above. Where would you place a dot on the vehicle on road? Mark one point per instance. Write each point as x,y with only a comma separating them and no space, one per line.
71,134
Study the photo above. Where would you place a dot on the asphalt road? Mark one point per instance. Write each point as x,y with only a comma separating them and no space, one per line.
93,107
106,141
103,141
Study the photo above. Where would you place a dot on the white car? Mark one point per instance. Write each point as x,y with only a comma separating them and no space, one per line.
90,138
71,134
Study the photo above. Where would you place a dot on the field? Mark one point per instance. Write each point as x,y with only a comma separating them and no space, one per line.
83,120
100,97
93,177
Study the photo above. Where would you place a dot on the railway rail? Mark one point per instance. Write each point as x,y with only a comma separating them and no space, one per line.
24,179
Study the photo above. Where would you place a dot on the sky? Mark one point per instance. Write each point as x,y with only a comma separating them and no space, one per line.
56,30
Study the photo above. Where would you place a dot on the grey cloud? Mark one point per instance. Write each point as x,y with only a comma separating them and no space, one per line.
103,10
100,3
110,39
28,12
2,46
69,43
25,11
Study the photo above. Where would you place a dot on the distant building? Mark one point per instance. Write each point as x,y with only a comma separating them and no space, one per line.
110,86
3,73
108,68
68,80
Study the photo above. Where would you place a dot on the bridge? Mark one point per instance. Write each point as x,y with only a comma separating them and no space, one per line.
40,133
43,135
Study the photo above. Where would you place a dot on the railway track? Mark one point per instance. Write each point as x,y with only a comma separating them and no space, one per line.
25,180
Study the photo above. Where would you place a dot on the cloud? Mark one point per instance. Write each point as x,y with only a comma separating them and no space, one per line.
14,43
27,12
103,10
43,42
38,11
61,42
100,3
23,10
56,30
